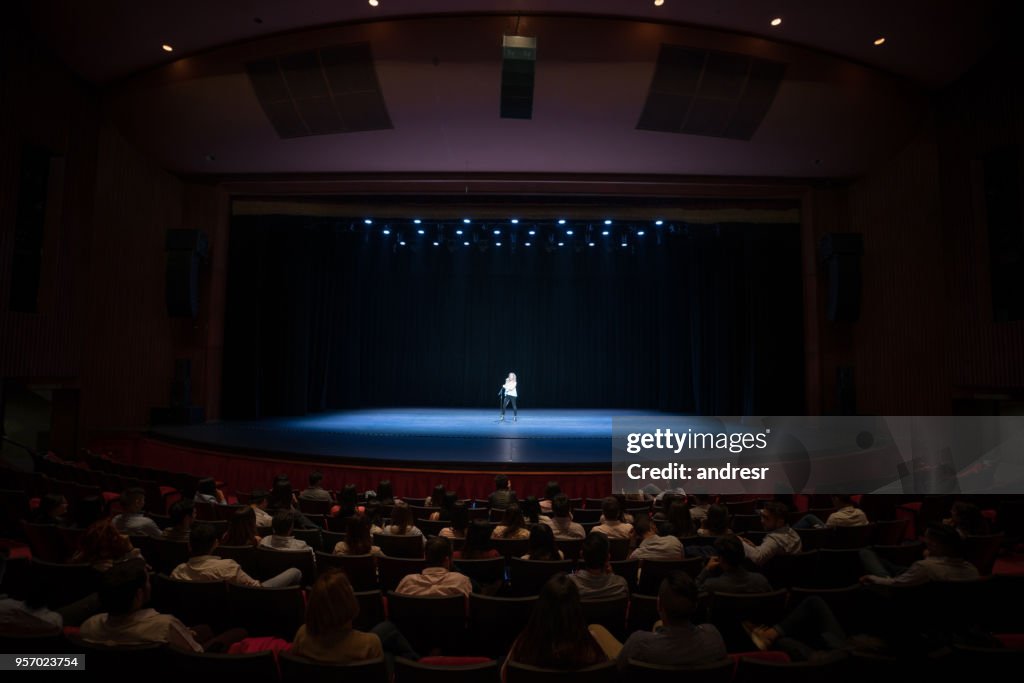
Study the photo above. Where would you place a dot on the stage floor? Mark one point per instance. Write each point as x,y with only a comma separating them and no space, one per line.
572,439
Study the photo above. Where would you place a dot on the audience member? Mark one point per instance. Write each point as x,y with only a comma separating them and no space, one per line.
385,492
207,492
459,522
436,499
358,540
448,503
595,580
436,578
725,572
561,520
943,562
530,507
29,616
654,545
675,640
680,520
542,544
402,522
282,538
182,516
242,527
613,525
715,522
259,501
316,491
967,519
513,526
478,542
846,514
131,520
780,539
204,565
698,508
348,499
103,546
53,509
550,491
503,495
556,635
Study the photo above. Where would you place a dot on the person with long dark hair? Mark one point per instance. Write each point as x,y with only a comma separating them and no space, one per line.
358,540
241,528
448,502
542,544
556,636
436,499
459,522
478,542
550,491
512,526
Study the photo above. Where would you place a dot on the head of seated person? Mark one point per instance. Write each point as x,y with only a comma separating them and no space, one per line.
774,515
439,552
124,588
284,523
596,552
677,599
202,540
943,541
730,553
560,506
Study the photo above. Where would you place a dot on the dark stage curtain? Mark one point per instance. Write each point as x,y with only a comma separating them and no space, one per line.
323,316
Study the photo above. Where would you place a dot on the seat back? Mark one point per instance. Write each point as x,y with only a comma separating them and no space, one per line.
113,660
371,610
851,536
193,602
728,610
495,623
608,613
430,622
618,548
981,551
652,572
643,612
300,670
812,539
527,577
509,548
256,666
571,548
399,546
826,668
168,554
797,569
267,611
63,583
393,569
270,563
643,672
484,572
329,539
889,532
45,541
361,570
599,673
629,570
315,507
244,555
408,671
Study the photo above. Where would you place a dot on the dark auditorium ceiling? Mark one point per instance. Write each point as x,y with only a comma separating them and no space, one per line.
843,103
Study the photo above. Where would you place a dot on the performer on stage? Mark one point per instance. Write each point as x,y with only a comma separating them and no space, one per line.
508,393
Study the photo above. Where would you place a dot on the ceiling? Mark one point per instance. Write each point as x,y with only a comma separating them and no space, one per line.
844,104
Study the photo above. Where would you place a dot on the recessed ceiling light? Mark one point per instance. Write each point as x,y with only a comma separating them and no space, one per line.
659,3
167,48
880,41
776,21
374,3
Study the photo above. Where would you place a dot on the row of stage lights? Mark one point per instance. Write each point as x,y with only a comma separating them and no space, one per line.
551,234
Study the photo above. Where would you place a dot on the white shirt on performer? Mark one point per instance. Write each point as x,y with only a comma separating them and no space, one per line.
510,389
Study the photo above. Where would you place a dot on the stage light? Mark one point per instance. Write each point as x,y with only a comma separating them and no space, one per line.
607,222
561,244
368,221
497,232
515,221
458,232
533,232
604,232
640,233
658,222
568,232
465,244
776,21
590,244
527,244
417,221
435,243
561,221
402,243
466,221
422,231
386,231
880,41
167,48
497,244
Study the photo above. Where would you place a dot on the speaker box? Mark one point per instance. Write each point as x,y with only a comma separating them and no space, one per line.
840,255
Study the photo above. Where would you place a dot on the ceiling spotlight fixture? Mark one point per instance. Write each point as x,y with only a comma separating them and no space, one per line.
515,221
561,244
435,243
465,244
417,221
458,232
167,48
776,21
422,231
590,244
659,222
497,232
497,244
604,232
386,231
640,233
466,221
402,243
533,232
527,244
659,3
880,41
568,232
368,221
374,3
607,221
561,221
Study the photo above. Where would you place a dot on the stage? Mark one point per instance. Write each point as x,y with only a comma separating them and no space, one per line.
439,438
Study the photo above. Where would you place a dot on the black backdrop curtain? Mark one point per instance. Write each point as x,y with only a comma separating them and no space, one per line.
320,316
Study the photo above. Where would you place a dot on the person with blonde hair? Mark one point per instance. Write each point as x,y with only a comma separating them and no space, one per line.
509,394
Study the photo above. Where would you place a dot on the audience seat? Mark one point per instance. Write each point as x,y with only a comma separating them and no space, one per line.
194,602
267,611
981,551
408,671
296,669
510,548
399,546
837,568
371,610
394,569
627,569
608,613
329,539
798,569
166,555
643,672
64,583
312,537
653,571
45,541
527,577
643,612
495,622
845,537
430,622
889,532
112,662
847,603
744,523
903,555
270,563
570,548
830,667
244,555
599,673
618,548
205,666
361,570
728,610
484,572
813,539
315,507
431,527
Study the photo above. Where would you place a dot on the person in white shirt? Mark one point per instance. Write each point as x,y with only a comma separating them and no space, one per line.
282,539
780,539
509,394
561,522
613,525
259,501
846,514
943,561
131,520
652,545
205,566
